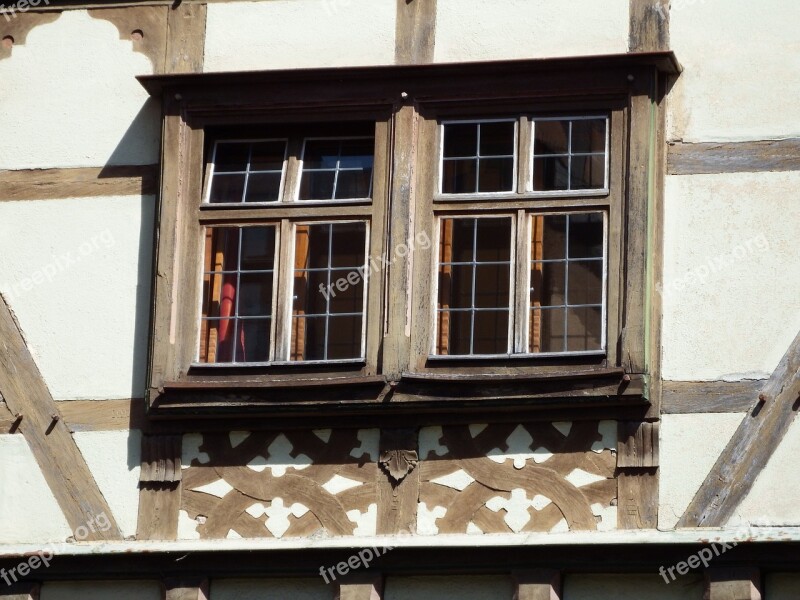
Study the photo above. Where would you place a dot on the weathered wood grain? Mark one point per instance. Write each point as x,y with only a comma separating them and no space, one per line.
159,505
415,31
149,21
59,458
186,38
368,588
537,584
638,444
397,502
186,589
637,497
733,157
161,459
747,453
685,397
52,184
18,25
649,25
103,415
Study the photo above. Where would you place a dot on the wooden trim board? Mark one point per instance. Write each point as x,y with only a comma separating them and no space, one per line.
54,184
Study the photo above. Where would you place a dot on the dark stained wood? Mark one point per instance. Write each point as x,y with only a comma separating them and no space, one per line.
637,497
50,184
103,415
415,31
151,21
750,448
538,584
649,25
685,397
638,444
734,157
397,502
186,589
61,462
186,38
19,25
741,583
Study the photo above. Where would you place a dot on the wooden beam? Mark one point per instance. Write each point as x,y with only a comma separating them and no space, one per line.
637,498
398,493
686,397
638,444
733,157
149,24
750,448
15,27
538,584
59,458
370,588
159,487
103,415
185,589
186,38
733,584
20,591
53,184
649,25
415,31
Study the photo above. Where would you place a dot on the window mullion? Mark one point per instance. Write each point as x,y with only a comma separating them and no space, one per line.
524,162
521,283
293,172
283,308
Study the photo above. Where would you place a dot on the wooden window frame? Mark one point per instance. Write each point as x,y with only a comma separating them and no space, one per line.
407,104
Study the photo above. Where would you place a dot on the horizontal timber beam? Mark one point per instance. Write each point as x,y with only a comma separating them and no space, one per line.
685,397
53,184
733,157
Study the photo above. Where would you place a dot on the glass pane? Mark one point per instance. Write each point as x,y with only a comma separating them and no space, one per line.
497,139
255,295
547,330
490,332
354,184
588,135
344,337
455,329
584,327
317,185
263,187
551,137
321,154
312,291
217,341
227,188
348,295
588,172
308,338
349,241
357,154
585,282
231,156
460,139
459,176
222,249
547,283
461,235
254,336
493,239
455,287
496,175
549,237
550,173
586,235
268,156
258,248
492,286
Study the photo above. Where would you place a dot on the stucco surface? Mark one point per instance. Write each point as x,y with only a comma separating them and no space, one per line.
293,34
739,59
76,272
69,98
690,445
731,303
28,510
506,29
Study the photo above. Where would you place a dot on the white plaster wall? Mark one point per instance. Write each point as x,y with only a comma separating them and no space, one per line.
114,459
690,445
257,589
740,60
293,34
77,274
782,586
631,587
447,588
473,30
773,499
69,99
731,274
101,590
28,510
